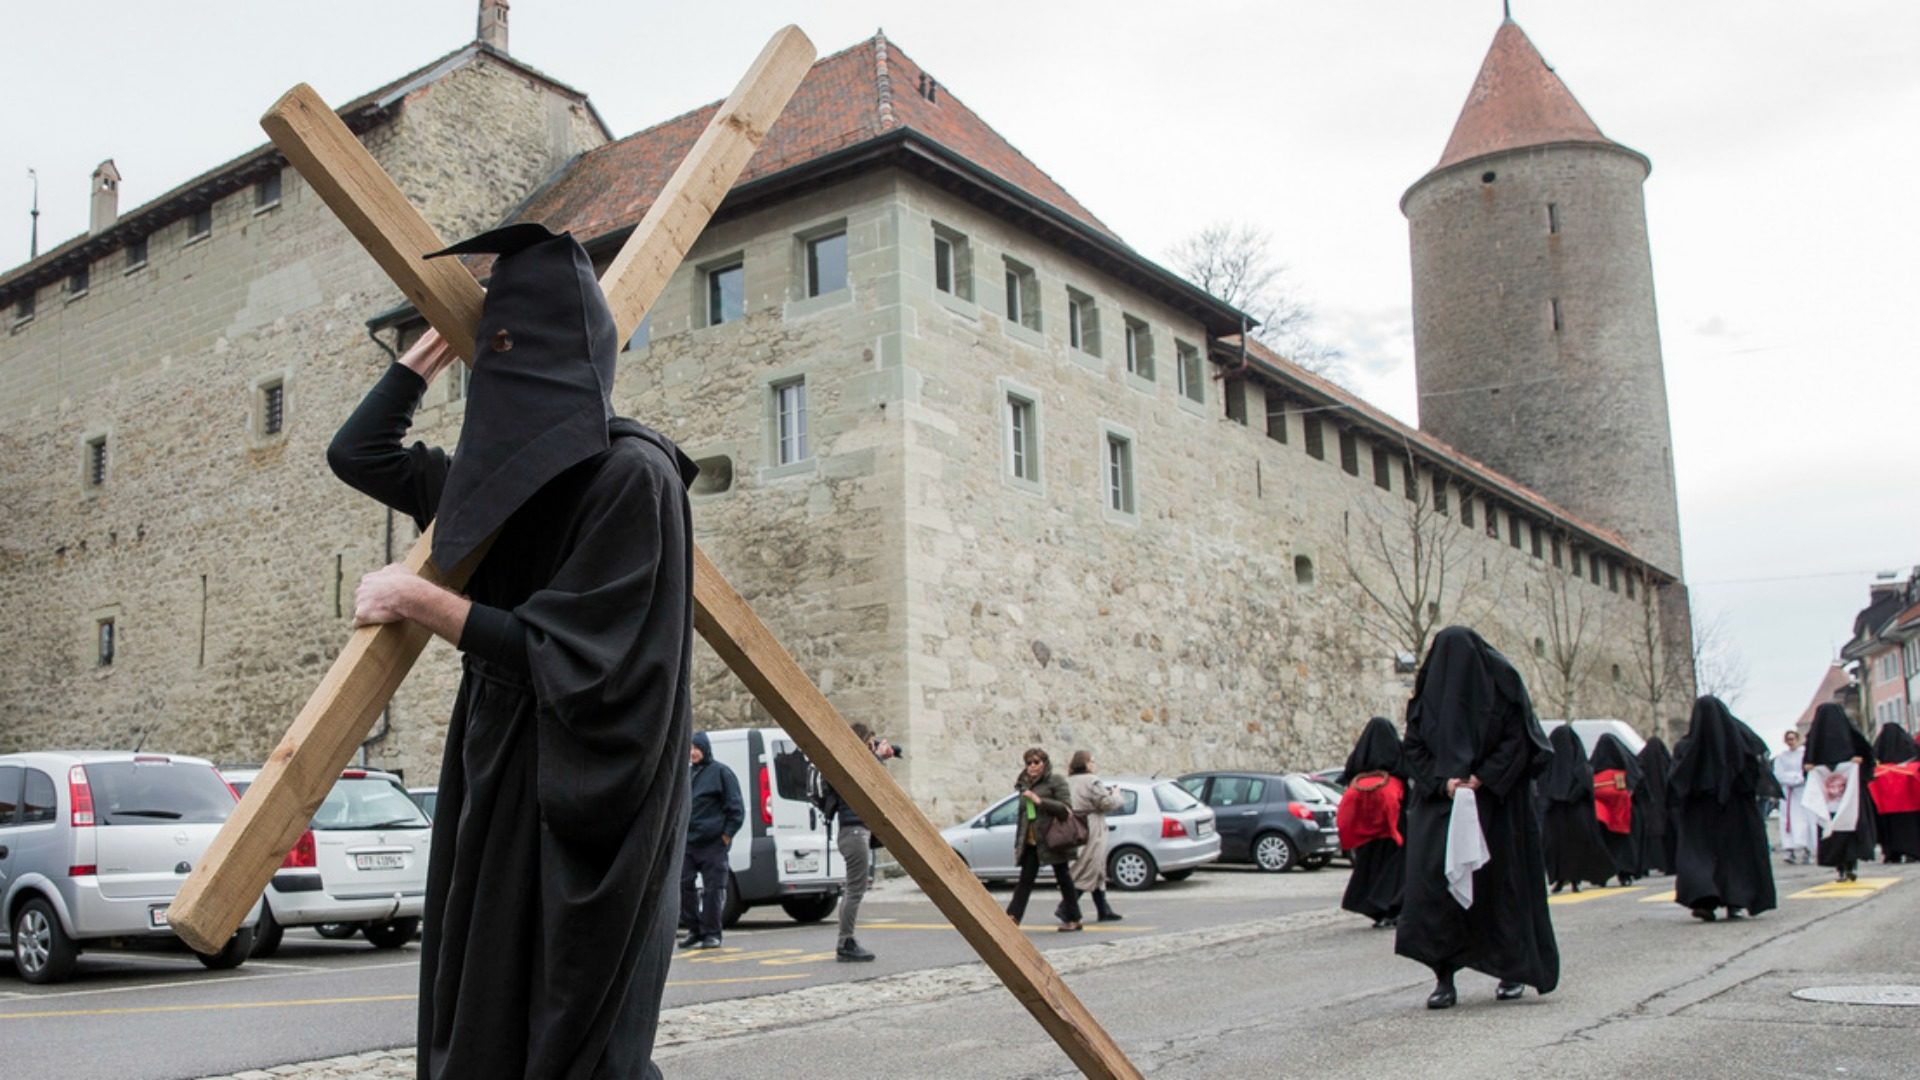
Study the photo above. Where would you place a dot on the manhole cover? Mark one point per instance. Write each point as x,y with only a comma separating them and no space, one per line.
1861,995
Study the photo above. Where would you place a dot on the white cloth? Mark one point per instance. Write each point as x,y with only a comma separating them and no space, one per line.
1834,814
1466,846
1796,824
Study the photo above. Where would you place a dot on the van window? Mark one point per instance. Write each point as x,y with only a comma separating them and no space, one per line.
368,803
37,806
9,793
158,793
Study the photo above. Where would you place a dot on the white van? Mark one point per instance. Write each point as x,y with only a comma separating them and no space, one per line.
785,855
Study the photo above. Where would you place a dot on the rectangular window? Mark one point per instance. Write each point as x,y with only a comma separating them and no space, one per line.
1023,439
1593,568
1023,295
827,264
1559,557
1535,546
23,307
103,642
1192,380
273,401
1466,511
136,253
1119,473
1439,494
1492,517
97,461
1234,395
726,293
1553,217
1310,434
1554,308
1139,348
78,281
1349,453
1513,530
1083,322
1631,591
1276,415
200,224
1613,576
1408,486
1573,561
266,193
952,263
1382,468
790,421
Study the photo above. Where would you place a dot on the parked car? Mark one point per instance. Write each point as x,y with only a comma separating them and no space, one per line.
1590,732
1276,821
1159,831
1334,778
785,855
94,844
425,798
361,864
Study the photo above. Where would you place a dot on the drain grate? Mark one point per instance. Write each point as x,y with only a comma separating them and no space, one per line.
1861,995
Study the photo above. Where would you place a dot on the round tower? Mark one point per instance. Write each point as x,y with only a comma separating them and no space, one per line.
1537,348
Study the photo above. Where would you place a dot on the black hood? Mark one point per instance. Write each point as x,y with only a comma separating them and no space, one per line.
1894,745
1459,696
1832,738
540,396
1378,750
1612,753
1719,758
1568,778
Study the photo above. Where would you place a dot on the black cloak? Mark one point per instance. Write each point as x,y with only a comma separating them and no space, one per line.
1833,739
551,896
1657,845
1570,832
1623,848
1899,834
1470,717
1714,808
1379,866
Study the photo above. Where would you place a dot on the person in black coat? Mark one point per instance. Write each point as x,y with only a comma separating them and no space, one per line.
1899,833
1657,843
1569,830
1718,771
1375,778
1471,727
1833,741
1622,769
716,814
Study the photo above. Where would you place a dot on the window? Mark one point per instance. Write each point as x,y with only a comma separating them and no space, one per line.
1513,530
715,478
1193,385
1408,484
1466,511
1276,416
1553,217
1310,434
1492,518
1539,646
136,253
9,794
97,461
1382,468
1613,576
103,642
1573,561
1139,348
1083,322
1302,570
200,224
1023,295
1349,453
790,421
77,282
1593,568
1553,306
1119,473
1172,798
1234,395
1023,439
952,263
1631,592
23,307
726,293
266,192
1558,556
37,804
827,264
1236,791
1439,494
1534,529
273,406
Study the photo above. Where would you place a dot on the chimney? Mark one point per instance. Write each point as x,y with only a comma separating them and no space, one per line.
106,198
493,24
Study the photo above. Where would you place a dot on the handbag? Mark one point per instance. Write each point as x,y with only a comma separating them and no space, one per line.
1064,834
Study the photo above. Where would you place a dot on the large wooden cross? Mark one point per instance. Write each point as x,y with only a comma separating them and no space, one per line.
280,803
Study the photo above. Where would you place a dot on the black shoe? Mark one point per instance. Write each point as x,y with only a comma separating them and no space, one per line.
1558,885
1853,875
1733,913
850,952
1509,991
692,939
1109,915
1704,914
1443,997
1060,911
712,942
1379,924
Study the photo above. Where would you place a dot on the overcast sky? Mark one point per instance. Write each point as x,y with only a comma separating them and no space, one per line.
1781,206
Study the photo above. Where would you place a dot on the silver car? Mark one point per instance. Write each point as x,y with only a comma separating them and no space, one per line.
1159,831
94,844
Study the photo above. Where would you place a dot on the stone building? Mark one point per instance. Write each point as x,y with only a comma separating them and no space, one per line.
993,476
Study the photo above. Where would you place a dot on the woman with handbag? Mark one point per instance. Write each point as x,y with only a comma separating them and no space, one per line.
1044,836
1091,802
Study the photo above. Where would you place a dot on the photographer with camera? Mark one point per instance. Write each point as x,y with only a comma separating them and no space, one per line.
856,852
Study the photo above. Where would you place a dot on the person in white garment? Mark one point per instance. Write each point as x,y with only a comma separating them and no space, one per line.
1797,831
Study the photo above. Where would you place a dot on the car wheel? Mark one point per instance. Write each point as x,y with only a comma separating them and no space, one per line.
267,933
1177,875
337,931
1273,852
1131,869
393,933
42,951
731,911
232,954
810,908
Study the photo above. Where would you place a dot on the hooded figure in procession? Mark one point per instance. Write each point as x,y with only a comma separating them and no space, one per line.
551,900
1373,822
1476,887
1657,841
1719,770
1619,802
1570,832
1896,794
1839,763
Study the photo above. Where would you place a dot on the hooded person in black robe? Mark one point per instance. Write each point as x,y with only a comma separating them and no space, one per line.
1379,866
1570,833
1832,740
1898,833
1471,724
1611,755
1658,841
551,899
1719,769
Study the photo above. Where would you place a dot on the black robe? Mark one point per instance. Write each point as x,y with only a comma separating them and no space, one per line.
1657,843
551,895
1470,717
1899,834
1623,848
1379,866
1569,831
1831,740
1714,784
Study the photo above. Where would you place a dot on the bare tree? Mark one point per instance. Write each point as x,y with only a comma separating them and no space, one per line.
1718,667
1658,675
1407,560
1563,657
1234,261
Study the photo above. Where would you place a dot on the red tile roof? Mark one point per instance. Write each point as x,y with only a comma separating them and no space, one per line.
851,97
1516,101
1835,680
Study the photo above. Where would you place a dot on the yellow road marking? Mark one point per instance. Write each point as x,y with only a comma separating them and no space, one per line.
737,979
1844,890
1035,929
725,955
1594,894
804,958
213,1007
1663,898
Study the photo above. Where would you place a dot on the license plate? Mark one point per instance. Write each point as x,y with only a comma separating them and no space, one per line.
1205,829
803,864
157,915
380,860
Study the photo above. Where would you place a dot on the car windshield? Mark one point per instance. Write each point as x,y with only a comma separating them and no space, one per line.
1172,797
368,803
158,792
